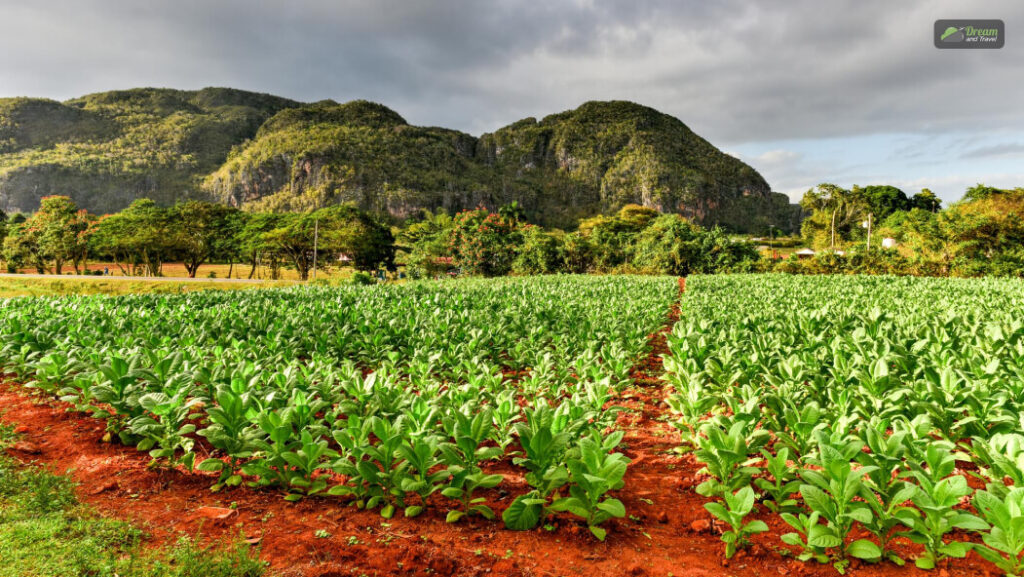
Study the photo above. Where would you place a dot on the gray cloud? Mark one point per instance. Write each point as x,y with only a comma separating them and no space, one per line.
1009,149
737,72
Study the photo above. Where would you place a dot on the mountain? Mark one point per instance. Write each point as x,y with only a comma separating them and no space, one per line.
267,153
105,150
604,155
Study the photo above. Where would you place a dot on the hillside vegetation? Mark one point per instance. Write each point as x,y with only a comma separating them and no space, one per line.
261,152
105,150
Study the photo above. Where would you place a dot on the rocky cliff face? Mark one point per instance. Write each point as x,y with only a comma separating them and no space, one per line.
266,153
608,154
594,159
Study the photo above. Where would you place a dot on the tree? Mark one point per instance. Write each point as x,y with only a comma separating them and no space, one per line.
4,224
611,236
539,253
62,232
55,235
926,200
295,238
353,232
21,249
336,230
981,236
228,246
636,217
253,244
483,243
201,230
979,192
577,254
673,245
984,228
139,239
835,212
882,200
511,211
426,243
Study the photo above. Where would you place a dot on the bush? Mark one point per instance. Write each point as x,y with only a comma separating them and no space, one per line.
673,245
540,253
483,243
362,278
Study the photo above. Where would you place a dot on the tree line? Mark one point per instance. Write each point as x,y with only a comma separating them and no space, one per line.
982,234
634,240
144,236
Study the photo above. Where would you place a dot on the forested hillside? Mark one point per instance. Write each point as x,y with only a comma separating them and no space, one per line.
261,152
106,150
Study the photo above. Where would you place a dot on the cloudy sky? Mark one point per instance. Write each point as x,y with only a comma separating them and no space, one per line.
806,91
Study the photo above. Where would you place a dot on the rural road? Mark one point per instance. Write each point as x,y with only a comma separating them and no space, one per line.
138,278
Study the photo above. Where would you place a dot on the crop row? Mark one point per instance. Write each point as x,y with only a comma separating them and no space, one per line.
383,395
852,406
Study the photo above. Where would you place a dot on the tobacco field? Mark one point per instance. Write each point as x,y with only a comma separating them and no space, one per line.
838,422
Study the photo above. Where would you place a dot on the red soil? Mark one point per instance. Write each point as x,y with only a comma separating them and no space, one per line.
667,531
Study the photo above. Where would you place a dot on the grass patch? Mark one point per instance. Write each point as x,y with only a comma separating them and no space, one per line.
45,530
59,286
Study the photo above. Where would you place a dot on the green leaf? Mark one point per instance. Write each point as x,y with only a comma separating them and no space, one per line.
756,526
719,511
861,514
490,481
211,465
484,511
520,515
613,507
339,490
823,537
864,549
452,492
956,549
571,504
968,522
598,532
792,539
816,500
989,554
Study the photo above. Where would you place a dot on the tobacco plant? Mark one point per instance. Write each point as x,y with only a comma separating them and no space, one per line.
735,509
1003,533
835,492
592,474
935,496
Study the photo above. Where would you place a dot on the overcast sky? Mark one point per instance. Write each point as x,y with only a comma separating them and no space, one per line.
806,91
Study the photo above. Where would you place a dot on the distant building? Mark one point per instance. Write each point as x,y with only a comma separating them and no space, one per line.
804,253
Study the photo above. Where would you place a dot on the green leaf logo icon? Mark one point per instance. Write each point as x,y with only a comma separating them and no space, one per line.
952,34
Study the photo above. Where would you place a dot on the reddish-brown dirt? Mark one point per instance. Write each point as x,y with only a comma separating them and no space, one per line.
667,531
